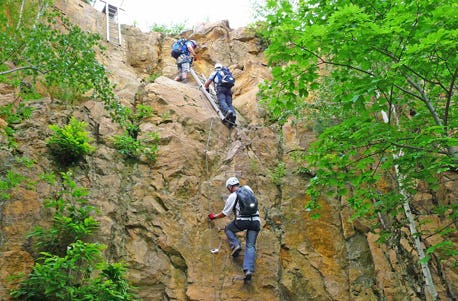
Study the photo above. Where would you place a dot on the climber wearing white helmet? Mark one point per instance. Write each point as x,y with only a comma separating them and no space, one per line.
223,81
184,59
243,204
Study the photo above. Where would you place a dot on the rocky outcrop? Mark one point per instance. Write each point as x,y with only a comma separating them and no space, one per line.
154,215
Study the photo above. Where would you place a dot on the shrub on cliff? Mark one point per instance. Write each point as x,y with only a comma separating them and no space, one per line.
71,142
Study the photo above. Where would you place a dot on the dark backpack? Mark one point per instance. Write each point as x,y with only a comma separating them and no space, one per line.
247,202
226,77
178,48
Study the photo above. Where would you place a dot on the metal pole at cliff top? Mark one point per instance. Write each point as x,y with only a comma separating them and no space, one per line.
107,14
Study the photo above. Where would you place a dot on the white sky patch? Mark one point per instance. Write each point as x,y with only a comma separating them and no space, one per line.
145,13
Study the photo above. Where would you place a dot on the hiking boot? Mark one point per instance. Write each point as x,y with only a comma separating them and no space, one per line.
232,117
228,116
236,250
178,78
248,275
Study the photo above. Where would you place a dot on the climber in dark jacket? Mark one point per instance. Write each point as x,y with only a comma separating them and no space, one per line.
223,93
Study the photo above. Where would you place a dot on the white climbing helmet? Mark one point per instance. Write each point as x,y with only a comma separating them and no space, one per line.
218,66
232,181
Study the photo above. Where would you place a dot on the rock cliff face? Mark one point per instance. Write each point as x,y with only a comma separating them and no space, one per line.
154,216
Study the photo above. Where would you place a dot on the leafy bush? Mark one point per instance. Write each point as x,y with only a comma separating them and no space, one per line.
72,220
128,143
278,174
70,277
14,115
127,146
142,112
9,181
69,267
132,148
71,142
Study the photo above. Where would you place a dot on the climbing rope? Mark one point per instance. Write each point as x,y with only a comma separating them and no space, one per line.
214,251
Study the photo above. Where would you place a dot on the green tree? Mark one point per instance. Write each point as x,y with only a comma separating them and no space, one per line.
39,42
383,74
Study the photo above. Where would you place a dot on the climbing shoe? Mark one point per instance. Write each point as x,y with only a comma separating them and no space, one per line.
232,117
248,275
229,119
229,115
236,250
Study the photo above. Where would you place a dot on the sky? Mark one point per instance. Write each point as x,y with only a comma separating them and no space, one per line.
144,13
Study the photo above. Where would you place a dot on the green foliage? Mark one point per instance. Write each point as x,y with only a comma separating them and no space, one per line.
169,30
72,219
7,182
48,177
343,63
71,142
260,30
28,91
279,173
69,267
80,274
14,115
142,112
445,250
152,77
62,57
129,144
133,148
9,179
65,92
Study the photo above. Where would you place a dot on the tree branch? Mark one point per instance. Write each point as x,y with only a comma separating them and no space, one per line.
425,99
417,148
323,61
20,68
441,229
449,98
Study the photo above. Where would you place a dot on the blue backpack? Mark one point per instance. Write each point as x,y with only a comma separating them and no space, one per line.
178,48
226,77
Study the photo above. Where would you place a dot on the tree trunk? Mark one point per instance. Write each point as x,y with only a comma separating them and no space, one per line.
431,288
20,15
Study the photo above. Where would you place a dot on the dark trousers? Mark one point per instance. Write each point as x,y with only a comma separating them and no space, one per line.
224,95
252,229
